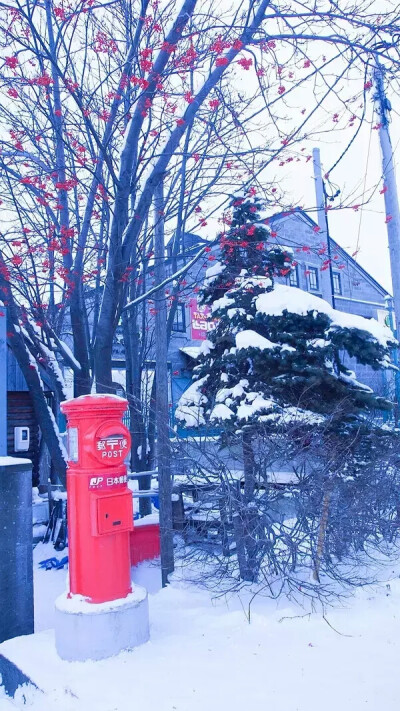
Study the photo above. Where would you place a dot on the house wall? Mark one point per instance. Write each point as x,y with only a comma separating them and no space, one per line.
297,234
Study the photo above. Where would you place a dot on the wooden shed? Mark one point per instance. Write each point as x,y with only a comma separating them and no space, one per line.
20,413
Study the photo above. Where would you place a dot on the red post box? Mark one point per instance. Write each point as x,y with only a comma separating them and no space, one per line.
100,515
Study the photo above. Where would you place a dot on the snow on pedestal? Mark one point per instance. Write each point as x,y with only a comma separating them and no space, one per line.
85,630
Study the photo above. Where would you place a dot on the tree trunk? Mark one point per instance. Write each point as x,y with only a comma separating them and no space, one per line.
240,547
248,466
133,390
104,343
30,371
162,410
249,511
82,379
76,302
323,524
242,521
43,414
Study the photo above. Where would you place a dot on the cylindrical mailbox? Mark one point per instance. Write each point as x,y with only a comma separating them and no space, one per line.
100,513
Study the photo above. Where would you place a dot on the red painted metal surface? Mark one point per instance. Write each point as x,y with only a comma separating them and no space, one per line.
145,543
100,515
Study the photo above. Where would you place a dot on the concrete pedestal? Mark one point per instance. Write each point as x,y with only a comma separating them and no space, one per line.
16,566
85,630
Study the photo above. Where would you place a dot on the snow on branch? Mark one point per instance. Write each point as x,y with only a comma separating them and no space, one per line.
295,301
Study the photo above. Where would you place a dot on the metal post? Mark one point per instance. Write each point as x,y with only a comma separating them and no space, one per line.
162,410
383,107
322,217
395,358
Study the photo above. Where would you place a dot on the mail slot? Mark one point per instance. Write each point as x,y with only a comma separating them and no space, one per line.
114,513
99,501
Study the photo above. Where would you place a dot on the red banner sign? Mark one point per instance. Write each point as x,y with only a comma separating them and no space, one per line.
200,321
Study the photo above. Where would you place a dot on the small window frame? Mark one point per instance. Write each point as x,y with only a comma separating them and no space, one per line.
293,278
312,274
179,322
337,283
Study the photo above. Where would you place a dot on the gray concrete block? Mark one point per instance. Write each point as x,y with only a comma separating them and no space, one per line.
87,630
16,566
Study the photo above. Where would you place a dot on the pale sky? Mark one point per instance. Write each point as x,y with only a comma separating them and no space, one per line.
365,228
358,174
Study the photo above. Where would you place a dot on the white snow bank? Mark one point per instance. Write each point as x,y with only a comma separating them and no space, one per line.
281,658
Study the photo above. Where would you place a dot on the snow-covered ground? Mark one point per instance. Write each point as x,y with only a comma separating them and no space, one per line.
205,655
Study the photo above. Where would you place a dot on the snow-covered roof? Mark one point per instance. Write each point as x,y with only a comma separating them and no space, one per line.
191,351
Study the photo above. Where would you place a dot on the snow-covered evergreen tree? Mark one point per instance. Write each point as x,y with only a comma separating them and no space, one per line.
275,362
276,351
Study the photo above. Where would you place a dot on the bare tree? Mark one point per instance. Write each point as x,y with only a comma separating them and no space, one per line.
102,100
302,544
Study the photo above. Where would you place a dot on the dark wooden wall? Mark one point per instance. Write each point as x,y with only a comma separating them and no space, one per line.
20,414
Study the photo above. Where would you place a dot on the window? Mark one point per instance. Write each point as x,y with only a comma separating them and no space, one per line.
294,277
313,280
179,323
337,283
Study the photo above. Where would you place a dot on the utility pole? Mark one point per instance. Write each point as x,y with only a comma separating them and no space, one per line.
162,410
395,359
322,216
383,107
